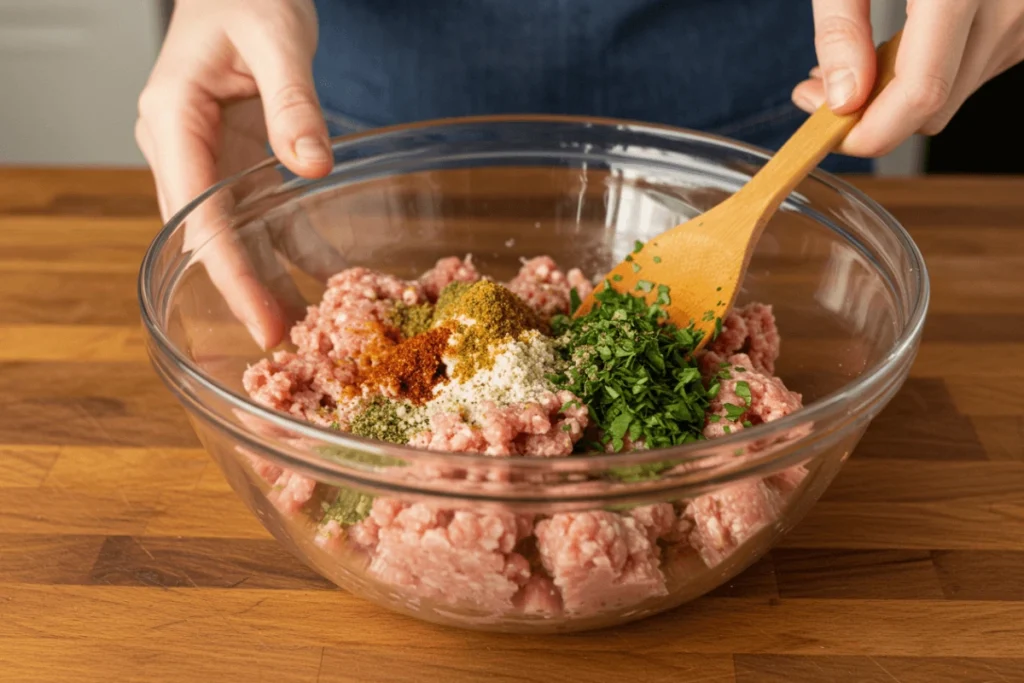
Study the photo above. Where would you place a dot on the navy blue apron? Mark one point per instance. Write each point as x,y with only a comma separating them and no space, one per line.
721,66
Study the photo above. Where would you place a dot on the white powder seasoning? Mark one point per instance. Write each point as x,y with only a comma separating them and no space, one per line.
519,375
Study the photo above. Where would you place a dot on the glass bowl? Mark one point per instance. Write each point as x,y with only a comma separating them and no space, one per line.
527,544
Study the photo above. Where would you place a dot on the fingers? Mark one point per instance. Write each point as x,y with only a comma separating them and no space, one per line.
177,130
927,66
846,53
283,73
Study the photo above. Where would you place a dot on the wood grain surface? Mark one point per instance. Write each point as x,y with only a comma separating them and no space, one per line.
125,557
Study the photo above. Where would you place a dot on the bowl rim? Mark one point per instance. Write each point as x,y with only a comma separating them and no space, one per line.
871,384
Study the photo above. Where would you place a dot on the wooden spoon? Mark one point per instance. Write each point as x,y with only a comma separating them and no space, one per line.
703,260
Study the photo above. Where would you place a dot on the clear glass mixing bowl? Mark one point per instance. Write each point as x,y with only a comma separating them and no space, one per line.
848,286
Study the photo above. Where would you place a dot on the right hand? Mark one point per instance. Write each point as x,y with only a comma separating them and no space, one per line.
231,76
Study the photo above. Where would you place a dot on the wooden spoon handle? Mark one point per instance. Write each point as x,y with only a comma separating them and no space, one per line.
812,142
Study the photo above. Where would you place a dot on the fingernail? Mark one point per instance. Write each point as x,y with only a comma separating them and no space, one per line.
804,103
841,85
312,150
257,334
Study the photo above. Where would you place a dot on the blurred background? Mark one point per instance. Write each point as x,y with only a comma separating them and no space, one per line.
71,70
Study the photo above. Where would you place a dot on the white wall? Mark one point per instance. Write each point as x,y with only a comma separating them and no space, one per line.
908,159
70,74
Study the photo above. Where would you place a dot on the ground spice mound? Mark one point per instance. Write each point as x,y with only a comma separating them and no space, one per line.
413,367
412,320
449,296
498,316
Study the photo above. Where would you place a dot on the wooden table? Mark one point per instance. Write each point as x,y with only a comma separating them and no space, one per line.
124,556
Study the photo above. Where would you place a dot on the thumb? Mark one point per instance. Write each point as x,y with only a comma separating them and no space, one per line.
295,123
846,53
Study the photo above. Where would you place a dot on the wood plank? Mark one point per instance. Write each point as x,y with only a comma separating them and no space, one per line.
130,469
150,657
204,514
787,669
509,666
857,574
26,465
1002,437
868,480
48,558
81,343
917,628
981,575
201,563
911,526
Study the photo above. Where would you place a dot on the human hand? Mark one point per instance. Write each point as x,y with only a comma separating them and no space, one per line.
949,49
231,76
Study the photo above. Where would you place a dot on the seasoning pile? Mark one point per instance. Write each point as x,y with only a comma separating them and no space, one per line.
456,362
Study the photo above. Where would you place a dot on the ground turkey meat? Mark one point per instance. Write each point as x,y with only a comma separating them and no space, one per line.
308,386
769,398
447,555
750,330
540,429
599,560
545,288
357,302
723,520
447,271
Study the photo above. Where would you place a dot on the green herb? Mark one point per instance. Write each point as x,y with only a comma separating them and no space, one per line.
657,259
634,371
574,301
719,289
740,368
637,246
708,316
639,472
636,267
734,412
645,286
629,258
349,507
567,428
714,417
617,277
335,425
663,298
743,391
727,429
748,424
412,320
378,419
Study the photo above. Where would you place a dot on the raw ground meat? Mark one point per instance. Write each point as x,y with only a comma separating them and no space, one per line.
528,429
546,288
723,520
599,560
446,555
350,316
769,398
447,271
307,386
539,597
750,330
583,563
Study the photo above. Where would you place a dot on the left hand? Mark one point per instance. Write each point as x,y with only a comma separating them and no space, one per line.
949,49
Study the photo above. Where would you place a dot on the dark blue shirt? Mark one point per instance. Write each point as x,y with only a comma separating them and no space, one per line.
721,66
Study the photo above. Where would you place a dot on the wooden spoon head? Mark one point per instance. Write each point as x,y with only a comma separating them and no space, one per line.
700,262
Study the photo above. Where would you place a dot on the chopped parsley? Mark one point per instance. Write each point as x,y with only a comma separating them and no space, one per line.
657,259
637,246
636,267
645,286
635,372
349,507
743,391
574,301
734,412
617,277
